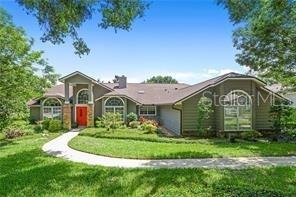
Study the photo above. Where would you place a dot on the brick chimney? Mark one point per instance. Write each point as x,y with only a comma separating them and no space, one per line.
122,81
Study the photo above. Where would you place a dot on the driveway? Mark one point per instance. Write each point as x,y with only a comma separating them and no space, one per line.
59,147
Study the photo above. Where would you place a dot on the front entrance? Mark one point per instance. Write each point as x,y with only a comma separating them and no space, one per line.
81,116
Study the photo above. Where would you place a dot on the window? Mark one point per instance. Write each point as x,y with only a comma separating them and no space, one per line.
52,109
114,105
147,111
237,111
82,97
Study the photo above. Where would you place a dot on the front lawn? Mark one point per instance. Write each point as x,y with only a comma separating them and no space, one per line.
134,143
26,171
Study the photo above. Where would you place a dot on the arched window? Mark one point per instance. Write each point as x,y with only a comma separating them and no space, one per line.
52,108
82,96
237,111
114,104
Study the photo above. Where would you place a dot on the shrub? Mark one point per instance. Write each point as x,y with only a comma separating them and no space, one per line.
250,135
55,125
38,128
99,122
2,136
131,117
150,128
45,123
112,120
147,121
204,109
13,134
134,124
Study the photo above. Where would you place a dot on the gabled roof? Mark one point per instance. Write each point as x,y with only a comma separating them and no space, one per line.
161,94
55,91
157,94
62,79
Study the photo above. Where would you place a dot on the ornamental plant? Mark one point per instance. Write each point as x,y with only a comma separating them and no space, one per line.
112,121
204,109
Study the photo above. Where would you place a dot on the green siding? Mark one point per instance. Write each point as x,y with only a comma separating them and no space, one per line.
131,107
189,113
35,113
263,119
260,113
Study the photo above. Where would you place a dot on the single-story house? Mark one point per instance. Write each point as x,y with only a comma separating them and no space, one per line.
239,102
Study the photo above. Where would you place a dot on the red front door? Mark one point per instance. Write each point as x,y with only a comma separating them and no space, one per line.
81,116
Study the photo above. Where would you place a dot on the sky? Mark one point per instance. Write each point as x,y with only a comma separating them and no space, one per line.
190,40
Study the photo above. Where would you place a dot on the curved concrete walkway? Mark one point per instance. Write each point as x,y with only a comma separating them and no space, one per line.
59,147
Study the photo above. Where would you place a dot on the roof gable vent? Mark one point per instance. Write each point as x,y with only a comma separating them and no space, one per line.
141,92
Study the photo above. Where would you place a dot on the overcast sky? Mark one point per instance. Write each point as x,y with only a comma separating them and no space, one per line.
189,40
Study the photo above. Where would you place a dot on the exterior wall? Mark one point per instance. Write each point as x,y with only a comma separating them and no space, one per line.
131,107
170,118
189,116
263,119
67,116
98,110
224,89
260,113
98,92
35,113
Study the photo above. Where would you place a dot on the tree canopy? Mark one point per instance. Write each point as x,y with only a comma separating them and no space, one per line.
265,37
62,19
24,74
161,79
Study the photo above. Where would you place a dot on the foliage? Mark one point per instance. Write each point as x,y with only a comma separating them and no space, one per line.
148,121
250,134
227,190
161,79
20,126
134,124
99,122
150,128
55,125
45,123
282,115
62,19
10,134
131,117
204,109
265,37
112,121
38,128
2,136
24,74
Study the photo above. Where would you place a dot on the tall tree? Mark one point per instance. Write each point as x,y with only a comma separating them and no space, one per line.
62,18
24,74
265,37
161,79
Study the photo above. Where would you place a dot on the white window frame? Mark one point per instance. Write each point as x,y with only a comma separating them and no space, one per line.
52,109
83,89
115,107
146,114
237,112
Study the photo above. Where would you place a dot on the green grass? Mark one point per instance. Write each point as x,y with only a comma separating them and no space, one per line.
26,171
129,143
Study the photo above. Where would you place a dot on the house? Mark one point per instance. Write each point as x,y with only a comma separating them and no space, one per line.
239,102
287,93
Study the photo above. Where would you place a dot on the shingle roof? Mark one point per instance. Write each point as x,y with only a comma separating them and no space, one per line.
55,91
158,94
147,93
